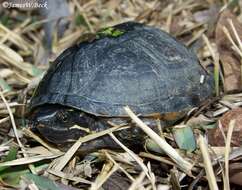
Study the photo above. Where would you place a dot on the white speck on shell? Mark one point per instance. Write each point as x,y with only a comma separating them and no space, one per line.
202,77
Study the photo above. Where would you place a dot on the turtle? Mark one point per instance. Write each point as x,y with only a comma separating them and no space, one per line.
128,64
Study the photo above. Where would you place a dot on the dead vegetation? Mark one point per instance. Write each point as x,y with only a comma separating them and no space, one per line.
180,158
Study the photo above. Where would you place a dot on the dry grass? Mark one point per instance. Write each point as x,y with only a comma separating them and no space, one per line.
22,63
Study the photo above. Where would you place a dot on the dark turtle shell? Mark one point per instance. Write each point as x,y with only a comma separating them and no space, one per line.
128,64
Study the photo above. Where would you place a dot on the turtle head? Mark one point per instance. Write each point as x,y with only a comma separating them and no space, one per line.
59,124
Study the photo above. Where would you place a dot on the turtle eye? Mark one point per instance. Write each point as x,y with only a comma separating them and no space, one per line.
63,116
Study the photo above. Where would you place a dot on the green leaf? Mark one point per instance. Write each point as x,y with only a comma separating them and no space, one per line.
232,4
80,21
12,154
12,174
13,178
109,32
151,145
6,20
209,126
117,33
42,183
36,71
6,174
184,137
4,85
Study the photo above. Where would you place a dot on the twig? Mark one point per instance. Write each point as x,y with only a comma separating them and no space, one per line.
236,48
68,155
4,119
70,177
135,157
216,63
227,34
157,158
29,133
226,154
207,164
137,183
108,169
31,167
235,34
84,16
120,167
169,18
168,149
12,121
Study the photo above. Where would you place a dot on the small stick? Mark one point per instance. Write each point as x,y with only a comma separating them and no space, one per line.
169,18
235,34
107,170
215,57
31,167
12,121
135,157
117,164
68,155
168,149
236,48
138,181
226,154
207,164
